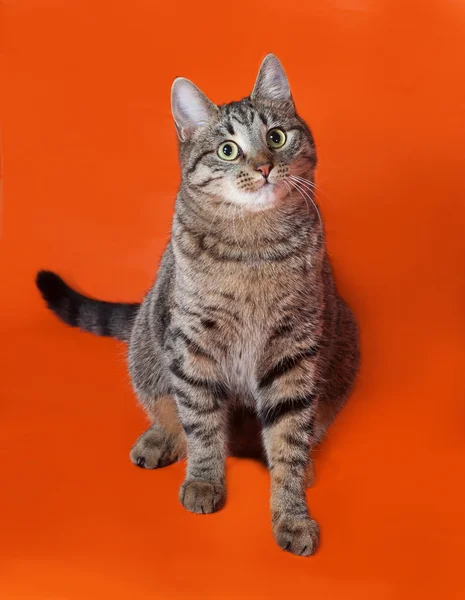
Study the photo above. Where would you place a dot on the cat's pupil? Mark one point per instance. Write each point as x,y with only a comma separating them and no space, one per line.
227,150
275,137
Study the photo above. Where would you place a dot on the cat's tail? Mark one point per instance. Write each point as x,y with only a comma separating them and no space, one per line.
110,319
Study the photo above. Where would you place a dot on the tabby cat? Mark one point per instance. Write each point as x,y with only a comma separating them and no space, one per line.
244,311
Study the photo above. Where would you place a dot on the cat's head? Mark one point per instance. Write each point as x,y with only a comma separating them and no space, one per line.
246,153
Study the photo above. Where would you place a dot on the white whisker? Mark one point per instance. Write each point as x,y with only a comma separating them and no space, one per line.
306,195
294,185
288,187
312,184
306,184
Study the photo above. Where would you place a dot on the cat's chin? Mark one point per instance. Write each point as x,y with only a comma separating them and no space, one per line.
264,198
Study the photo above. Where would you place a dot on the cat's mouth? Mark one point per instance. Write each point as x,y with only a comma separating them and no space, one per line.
266,183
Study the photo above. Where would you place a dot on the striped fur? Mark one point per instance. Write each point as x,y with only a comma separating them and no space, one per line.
109,319
244,316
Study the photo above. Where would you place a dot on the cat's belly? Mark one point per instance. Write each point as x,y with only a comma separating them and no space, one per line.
241,367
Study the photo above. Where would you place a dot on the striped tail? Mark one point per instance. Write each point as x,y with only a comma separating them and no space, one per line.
110,319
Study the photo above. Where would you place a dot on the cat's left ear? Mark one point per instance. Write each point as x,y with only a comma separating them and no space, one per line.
271,83
190,107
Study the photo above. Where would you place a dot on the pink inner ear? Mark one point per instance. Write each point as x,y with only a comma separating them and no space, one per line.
272,82
190,107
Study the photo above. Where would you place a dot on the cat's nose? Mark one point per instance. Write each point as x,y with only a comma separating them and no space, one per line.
264,169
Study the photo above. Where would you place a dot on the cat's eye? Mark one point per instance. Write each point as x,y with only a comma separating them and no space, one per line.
229,151
276,138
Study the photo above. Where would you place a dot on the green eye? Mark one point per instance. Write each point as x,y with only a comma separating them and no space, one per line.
228,151
276,138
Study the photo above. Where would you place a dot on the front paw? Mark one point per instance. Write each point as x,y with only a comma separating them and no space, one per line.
202,497
299,536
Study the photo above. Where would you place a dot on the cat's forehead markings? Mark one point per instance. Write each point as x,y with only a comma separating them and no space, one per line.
246,137
241,112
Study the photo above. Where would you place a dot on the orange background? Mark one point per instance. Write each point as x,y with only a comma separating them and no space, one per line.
90,175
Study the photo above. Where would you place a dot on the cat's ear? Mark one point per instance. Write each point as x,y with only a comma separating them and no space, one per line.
190,107
271,82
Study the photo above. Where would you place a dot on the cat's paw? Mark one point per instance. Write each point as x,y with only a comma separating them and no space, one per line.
299,536
202,497
156,448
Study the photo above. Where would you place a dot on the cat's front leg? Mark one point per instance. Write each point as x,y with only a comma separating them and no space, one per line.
201,399
286,434
287,402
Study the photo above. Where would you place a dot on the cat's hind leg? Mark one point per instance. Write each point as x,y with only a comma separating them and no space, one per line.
164,442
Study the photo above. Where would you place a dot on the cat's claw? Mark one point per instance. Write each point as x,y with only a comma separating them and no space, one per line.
202,497
298,536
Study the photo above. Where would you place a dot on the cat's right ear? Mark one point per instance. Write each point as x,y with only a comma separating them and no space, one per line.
190,107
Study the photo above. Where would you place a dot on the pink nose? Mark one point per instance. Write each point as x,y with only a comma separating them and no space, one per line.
264,169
